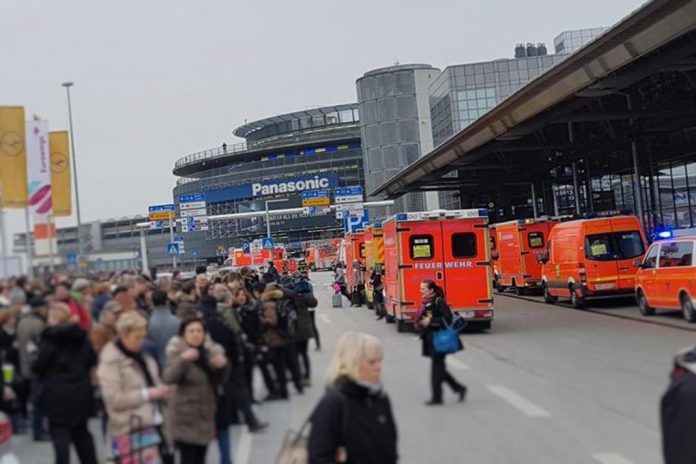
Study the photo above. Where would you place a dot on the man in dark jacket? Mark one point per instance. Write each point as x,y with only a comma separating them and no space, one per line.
163,324
235,391
65,394
678,411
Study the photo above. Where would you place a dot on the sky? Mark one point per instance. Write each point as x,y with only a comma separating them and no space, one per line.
159,79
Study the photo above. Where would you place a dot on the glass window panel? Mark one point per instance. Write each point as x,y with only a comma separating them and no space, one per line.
490,102
480,93
490,92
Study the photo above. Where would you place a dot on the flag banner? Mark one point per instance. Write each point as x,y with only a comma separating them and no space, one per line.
61,188
39,170
13,159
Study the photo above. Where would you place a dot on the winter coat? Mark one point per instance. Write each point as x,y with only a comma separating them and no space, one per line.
221,334
678,417
191,409
250,321
229,317
98,305
122,382
357,419
29,329
439,311
100,335
65,395
10,348
302,303
269,318
162,327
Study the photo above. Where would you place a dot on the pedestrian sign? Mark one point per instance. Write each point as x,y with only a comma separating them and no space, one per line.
246,247
173,249
267,243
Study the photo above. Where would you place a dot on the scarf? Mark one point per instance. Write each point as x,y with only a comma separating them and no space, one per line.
139,361
424,302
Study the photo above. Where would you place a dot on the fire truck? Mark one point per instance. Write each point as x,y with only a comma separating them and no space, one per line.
320,258
374,258
354,251
450,248
516,244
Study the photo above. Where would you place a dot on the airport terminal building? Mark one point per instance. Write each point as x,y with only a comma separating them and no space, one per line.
282,156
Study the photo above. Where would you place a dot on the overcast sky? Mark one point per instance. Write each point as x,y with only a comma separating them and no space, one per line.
156,80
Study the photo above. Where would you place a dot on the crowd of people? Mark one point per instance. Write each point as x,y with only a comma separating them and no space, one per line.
169,360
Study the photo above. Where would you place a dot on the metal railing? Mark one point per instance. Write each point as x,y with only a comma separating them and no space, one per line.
283,140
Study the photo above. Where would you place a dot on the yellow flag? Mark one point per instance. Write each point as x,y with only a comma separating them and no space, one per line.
61,188
13,157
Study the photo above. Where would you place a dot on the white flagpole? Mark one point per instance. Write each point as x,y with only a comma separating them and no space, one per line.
30,250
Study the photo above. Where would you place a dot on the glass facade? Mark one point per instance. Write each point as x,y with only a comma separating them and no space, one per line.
463,93
568,42
391,118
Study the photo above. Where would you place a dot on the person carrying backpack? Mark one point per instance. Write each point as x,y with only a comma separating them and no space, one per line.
435,315
279,319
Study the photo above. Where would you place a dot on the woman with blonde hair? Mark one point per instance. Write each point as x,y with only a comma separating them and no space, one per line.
130,384
353,422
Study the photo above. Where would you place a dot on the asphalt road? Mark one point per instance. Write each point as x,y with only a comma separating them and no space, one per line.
548,384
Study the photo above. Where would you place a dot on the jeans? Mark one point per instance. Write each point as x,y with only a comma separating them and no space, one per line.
224,445
62,436
439,374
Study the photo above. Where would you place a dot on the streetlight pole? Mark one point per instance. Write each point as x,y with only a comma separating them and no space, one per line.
80,249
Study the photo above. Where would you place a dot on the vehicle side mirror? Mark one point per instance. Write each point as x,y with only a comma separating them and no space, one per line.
542,257
639,264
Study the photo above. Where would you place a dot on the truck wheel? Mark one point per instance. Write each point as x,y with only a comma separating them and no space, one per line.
401,326
519,291
576,301
643,306
548,298
688,309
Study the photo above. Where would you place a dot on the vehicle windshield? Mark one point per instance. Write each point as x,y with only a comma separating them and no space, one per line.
614,246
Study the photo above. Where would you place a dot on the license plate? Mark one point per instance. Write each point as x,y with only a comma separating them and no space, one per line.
605,286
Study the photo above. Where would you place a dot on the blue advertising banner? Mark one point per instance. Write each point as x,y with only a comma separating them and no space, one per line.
286,185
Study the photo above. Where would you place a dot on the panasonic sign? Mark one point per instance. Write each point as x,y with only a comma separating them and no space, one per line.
277,186
290,186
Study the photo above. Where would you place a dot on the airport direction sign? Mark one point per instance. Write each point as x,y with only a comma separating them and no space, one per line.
161,212
192,209
315,198
348,194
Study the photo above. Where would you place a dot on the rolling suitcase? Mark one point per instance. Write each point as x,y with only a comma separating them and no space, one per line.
337,300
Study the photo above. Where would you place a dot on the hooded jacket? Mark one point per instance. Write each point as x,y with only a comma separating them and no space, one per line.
63,368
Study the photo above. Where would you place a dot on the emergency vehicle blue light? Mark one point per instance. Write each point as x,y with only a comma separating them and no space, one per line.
665,234
401,217
483,212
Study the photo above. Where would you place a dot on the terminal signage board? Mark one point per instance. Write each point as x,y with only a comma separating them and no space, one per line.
193,212
315,198
161,212
349,194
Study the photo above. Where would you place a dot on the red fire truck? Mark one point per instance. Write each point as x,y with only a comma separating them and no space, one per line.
354,244
449,247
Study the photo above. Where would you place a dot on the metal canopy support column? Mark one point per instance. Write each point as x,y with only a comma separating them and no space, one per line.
576,189
637,194
534,200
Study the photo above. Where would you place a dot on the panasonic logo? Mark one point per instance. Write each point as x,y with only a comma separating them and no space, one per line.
290,186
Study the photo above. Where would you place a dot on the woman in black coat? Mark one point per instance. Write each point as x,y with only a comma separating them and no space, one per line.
65,393
432,316
353,422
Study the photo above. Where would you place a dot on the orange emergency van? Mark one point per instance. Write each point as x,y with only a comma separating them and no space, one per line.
591,258
354,243
450,248
493,243
666,278
516,244
374,258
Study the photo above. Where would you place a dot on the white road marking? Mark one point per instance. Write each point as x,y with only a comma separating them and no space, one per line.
243,448
325,319
521,403
611,458
454,363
